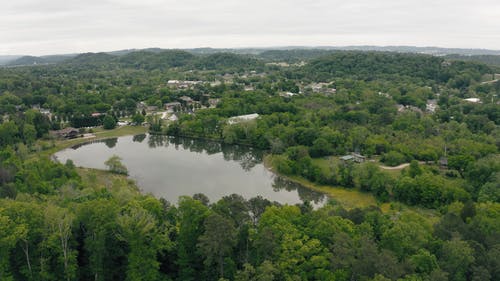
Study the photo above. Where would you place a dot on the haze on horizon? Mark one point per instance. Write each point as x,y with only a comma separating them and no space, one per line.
33,27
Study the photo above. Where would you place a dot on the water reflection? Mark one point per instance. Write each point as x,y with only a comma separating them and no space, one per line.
246,156
111,142
139,138
171,167
306,195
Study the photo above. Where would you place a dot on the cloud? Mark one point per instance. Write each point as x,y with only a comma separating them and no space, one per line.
62,26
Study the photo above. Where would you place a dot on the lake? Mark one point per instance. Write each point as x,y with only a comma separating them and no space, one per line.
171,167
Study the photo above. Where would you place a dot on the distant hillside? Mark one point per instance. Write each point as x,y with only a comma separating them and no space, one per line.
373,65
293,55
486,59
5,59
227,60
210,58
58,58
156,59
32,60
27,60
436,51
91,58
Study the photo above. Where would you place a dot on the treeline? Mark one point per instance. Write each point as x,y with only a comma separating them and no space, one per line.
149,60
56,225
76,230
304,129
393,66
61,223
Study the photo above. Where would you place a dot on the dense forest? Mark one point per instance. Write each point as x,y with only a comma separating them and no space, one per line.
438,218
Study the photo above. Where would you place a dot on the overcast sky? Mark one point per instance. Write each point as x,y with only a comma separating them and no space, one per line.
40,27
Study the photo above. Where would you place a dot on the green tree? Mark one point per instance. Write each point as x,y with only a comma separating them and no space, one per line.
137,119
10,233
217,241
138,228
109,122
115,165
424,262
98,219
460,163
59,223
8,133
29,134
191,215
457,257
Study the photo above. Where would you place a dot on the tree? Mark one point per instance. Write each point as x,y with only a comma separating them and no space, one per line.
98,219
460,163
191,215
10,233
457,256
138,228
8,133
137,119
29,134
109,122
59,223
414,169
218,241
424,262
31,217
115,165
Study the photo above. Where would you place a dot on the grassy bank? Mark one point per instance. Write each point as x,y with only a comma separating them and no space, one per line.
102,179
351,198
348,198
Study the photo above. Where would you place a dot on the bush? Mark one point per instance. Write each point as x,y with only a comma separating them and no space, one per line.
115,165
393,158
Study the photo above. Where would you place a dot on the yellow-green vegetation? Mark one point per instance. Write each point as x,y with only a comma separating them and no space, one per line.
101,179
323,163
348,198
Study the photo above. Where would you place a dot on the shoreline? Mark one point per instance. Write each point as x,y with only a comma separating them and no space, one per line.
101,135
347,198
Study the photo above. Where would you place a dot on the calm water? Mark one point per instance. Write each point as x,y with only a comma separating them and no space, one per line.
171,167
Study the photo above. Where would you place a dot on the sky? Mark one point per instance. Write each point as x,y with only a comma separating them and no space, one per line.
42,27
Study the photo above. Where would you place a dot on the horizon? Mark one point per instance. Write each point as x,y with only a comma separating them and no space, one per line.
70,26
284,47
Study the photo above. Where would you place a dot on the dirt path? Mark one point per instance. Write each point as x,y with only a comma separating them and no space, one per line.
489,82
399,167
